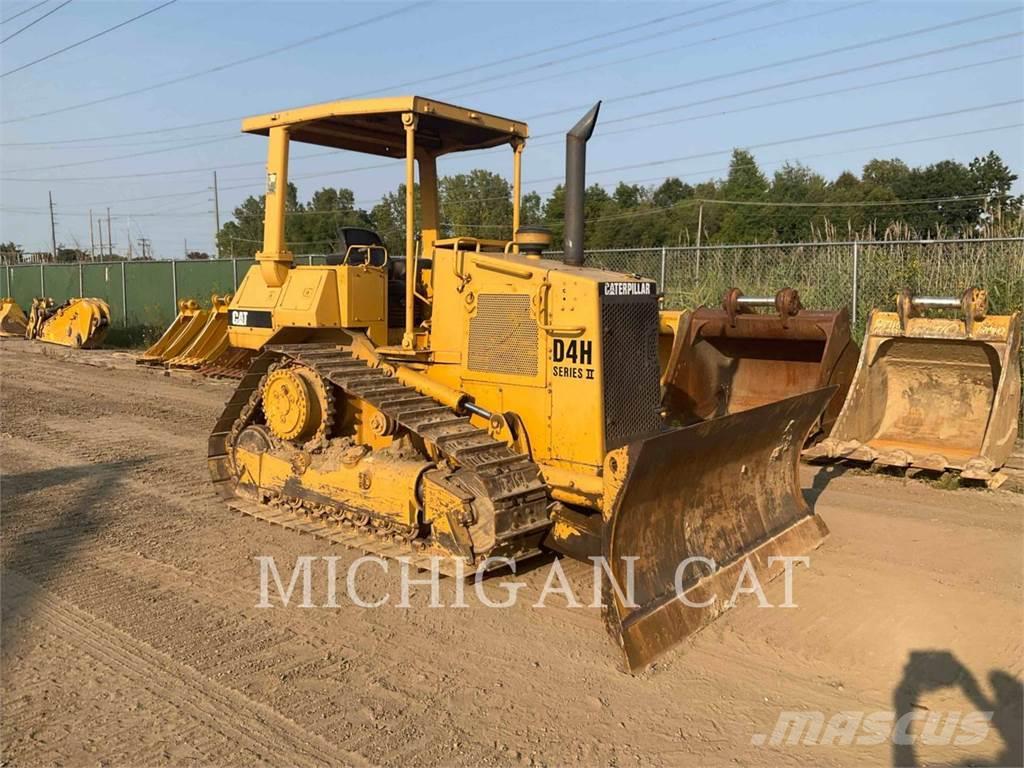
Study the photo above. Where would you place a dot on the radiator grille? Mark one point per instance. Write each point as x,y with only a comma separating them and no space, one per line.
632,393
503,336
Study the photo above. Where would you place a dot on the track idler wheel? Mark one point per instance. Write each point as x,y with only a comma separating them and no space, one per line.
295,403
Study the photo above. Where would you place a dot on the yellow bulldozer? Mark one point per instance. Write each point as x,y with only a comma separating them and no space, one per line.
80,322
933,393
476,403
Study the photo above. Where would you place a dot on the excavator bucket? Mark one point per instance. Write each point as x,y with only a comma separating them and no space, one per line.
734,358
694,506
211,341
933,393
178,336
80,323
13,321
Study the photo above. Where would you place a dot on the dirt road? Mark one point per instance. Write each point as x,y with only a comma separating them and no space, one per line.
131,634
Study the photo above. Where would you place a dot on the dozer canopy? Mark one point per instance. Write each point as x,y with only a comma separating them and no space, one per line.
933,393
733,358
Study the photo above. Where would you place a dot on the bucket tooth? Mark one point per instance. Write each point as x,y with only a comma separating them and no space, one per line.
857,452
933,462
978,468
894,458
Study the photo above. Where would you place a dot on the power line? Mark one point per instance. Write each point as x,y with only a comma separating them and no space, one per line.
505,60
704,172
34,22
125,135
658,52
190,145
502,62
88,39
22,13
613,46
808,137
782,62
222,67
791,100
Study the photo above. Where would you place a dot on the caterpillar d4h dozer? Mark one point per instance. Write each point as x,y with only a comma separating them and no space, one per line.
512,406
79,323
734,358
13,321
933,393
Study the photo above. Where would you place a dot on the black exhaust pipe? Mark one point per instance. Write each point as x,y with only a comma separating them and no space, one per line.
575,184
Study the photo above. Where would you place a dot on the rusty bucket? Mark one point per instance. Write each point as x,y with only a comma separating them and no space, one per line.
935,393
736,358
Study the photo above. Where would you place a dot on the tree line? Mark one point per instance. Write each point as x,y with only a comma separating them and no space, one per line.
747,206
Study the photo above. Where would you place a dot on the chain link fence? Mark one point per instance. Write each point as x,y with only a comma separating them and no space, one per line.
861,275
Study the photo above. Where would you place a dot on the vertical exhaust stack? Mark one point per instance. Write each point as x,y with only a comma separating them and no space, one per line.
575,184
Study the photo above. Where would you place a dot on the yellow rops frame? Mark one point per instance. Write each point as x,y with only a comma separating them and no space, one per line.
411,127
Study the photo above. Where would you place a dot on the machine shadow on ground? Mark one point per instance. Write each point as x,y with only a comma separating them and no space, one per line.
823,475
932,670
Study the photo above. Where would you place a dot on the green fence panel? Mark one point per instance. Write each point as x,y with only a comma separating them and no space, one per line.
103,281
25,284
241,267
61,282
5,281
150,294
198,279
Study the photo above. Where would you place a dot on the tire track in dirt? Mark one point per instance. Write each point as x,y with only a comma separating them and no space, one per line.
245,724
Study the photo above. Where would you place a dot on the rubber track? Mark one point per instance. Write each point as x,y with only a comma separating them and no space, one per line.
510,480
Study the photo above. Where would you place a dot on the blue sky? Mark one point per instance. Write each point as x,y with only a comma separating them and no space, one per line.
163,195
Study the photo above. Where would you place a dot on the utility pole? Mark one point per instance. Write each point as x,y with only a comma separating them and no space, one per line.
216,213
700,232
186,247
110,236
99,231
92,239
144,245
53,229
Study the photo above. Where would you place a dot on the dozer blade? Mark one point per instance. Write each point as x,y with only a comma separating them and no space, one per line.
725,489
932,393
731,359
178,336
13,320
210,343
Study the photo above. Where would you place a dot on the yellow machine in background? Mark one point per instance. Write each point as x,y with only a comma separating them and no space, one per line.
933,393
179,334
13,321
475,401
79,323
197,339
